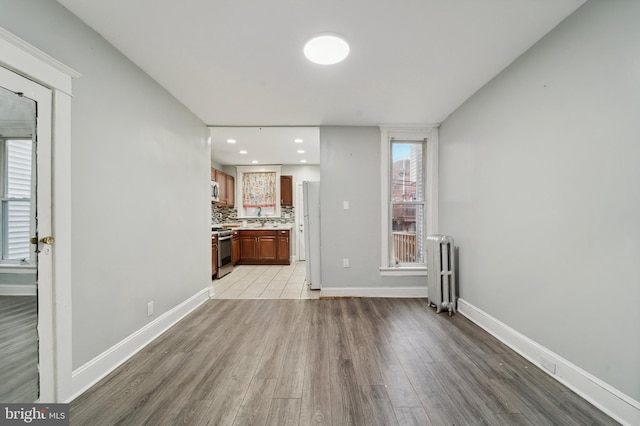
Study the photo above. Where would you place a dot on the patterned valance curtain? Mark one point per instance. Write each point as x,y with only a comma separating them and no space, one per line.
259,189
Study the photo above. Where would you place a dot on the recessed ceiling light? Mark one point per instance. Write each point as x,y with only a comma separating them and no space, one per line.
326,50
297,140
254,161
303,161
301,151
231,141
244,152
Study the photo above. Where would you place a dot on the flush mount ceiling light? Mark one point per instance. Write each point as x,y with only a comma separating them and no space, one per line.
297,140
231,141
326,49
244,152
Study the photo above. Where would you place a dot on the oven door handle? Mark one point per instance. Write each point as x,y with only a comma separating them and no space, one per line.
224,238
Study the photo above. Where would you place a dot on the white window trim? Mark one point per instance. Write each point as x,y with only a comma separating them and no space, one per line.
240,171
421,132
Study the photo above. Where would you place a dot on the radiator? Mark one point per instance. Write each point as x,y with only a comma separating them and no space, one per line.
441,276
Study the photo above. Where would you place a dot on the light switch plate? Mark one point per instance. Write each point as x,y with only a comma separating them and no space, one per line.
345,205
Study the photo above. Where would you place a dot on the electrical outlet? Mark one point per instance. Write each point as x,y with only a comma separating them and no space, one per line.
149,309
345,263
548,365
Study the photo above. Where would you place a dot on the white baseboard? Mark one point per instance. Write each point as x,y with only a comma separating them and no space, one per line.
611,401
17,290
410,292
96,369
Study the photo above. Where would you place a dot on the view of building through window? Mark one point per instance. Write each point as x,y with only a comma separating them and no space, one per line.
407,202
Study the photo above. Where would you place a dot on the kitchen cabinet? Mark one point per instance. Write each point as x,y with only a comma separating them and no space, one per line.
283,246
264,247
231,191
235,247
214,256
286,191
221,177
226,187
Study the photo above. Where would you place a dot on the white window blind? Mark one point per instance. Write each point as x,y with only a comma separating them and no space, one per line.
16,202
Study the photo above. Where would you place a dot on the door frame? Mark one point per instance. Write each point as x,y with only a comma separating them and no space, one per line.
29,62
302,254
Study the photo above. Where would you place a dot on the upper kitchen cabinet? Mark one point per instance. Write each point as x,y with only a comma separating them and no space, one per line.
231,191
286,191
226,187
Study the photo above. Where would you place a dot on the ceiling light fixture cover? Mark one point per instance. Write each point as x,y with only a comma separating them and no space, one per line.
231,141
326,49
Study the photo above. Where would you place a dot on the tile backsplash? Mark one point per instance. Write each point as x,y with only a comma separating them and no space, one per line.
223,214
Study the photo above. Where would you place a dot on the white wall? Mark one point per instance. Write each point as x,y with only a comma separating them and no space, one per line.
350,170
140,183
539,184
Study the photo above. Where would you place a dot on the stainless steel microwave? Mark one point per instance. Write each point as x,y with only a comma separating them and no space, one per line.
215,192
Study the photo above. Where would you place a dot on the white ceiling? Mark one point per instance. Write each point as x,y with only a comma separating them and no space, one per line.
240,62
267,145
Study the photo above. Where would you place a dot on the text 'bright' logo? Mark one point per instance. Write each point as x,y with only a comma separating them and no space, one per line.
31,414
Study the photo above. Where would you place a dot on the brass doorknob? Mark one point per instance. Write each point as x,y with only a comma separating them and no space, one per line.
46,240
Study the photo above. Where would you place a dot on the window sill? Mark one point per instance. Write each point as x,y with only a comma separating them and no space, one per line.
403,271
13,268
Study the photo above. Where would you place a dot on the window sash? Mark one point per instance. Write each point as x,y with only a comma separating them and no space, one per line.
16,200
407,249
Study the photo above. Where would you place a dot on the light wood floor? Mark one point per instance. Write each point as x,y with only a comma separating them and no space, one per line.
328,362
265,282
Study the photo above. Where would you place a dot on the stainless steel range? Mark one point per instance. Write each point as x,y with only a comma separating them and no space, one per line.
225,265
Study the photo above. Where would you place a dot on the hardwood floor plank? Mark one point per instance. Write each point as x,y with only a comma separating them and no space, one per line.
412,416
376,406
291,377
346,408
256,404
316,403
284,412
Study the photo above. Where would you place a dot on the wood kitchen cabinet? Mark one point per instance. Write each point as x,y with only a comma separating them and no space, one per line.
283,246
231,191
235,247
214,256
248,247
286,191
264,247
221,177
226,187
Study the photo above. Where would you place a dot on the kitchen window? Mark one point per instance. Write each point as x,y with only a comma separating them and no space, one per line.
409,194
258,191
16,191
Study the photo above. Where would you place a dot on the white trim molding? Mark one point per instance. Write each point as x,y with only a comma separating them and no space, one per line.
400,292
25,59
608,399
17,290
96,369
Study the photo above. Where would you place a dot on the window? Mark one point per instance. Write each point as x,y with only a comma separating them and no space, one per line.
409,194
407,203
16,198
258,191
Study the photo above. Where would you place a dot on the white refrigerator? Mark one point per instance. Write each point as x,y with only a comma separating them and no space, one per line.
311,212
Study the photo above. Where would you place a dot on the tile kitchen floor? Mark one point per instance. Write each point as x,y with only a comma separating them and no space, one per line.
265,282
